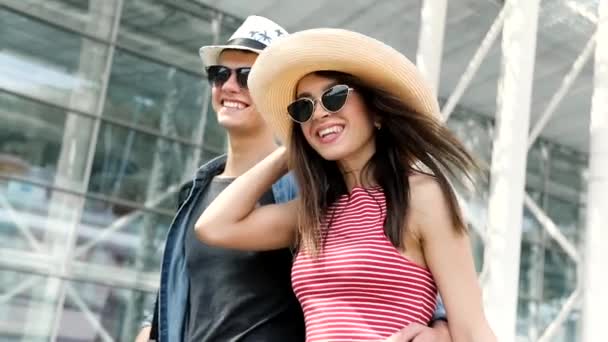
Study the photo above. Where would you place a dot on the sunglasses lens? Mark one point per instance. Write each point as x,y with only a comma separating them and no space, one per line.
300,110
242,75
218,75
335,97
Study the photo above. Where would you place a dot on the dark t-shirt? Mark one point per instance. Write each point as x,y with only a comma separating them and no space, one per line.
236,295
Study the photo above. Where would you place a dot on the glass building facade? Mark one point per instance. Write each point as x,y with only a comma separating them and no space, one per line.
105,112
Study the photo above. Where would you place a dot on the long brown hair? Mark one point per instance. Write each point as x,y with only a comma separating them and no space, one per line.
405,140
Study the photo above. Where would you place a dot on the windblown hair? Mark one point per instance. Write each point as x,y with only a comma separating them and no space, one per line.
406,143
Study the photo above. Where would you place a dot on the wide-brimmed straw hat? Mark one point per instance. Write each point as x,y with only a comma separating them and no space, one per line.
278,69
254,34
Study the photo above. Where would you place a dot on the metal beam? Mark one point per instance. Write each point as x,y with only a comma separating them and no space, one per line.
20,288
551,229
471,70
74,166
105,275
430,43
508,169
559,95
88,314
561,317
21,226
595,281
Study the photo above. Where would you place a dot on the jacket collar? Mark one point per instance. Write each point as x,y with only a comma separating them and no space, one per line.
212,168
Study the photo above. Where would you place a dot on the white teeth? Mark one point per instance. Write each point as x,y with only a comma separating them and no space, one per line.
333,129
233,104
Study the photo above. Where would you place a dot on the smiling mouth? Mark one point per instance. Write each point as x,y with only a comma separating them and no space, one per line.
330,133
234,104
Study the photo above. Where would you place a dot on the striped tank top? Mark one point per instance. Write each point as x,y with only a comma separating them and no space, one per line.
360,288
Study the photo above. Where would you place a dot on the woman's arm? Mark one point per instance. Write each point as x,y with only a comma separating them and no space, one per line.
449,257
232,220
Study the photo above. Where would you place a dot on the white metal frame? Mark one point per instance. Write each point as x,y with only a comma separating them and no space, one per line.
595,278
547,224
508,167
591,288
430,43
52,272
475,63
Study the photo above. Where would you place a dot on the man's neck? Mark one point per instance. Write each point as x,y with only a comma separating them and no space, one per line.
246,151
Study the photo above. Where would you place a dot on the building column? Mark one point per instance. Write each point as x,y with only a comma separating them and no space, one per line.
76,156
430,43
508,170
595,278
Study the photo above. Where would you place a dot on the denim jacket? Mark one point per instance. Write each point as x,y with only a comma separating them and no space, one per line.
174,279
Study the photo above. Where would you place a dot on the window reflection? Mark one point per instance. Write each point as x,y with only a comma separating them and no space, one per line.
92,17
171,32
116,310
49,63
26,315
31,145
120,236
140,167
157,96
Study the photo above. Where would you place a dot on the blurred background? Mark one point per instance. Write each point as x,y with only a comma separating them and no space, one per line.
104,112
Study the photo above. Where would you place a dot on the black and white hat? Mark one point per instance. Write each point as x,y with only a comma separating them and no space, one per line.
255,34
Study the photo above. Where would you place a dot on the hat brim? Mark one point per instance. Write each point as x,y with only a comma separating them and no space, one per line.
210,55
278,69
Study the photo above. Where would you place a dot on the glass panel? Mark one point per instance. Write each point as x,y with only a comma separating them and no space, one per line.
120,236
118,311
31,139
214,141
531,227
571,329
559,274
27,312
49,63
140,167
229,26
537,166
171,32
473,132
566,168
558,283
93,17
565,215
156,96
530,269
35,218
465,28
527,313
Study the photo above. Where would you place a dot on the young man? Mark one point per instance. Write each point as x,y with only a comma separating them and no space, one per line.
212,294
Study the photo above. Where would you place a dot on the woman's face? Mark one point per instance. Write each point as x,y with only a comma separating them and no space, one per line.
346,135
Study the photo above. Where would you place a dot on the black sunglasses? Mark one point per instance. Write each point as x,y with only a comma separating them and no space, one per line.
332,100
219,74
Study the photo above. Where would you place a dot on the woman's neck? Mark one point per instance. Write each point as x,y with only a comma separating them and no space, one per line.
363,178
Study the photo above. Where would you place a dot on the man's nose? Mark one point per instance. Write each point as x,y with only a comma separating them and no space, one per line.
231,85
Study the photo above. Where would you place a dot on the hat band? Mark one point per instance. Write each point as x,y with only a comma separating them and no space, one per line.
247,42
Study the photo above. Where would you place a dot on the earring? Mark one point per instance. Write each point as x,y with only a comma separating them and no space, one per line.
377,125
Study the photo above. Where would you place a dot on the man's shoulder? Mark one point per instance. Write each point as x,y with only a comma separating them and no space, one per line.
204,173
285,189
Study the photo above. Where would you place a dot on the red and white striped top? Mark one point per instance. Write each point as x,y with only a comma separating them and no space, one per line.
360,288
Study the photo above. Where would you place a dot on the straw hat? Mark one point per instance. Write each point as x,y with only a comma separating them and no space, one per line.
254,34
278,69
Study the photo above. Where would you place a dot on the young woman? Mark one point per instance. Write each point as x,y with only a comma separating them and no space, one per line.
376,228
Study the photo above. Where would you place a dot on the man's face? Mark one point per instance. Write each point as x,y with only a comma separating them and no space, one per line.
232,103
